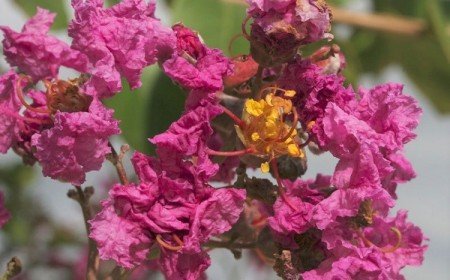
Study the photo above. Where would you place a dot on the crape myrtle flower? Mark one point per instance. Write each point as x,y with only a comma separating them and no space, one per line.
279,28
265,131
119,41
305,195
379,249
9,108
38,54
63,128
16,129
173,205
77,143
315,90
4,214
193,65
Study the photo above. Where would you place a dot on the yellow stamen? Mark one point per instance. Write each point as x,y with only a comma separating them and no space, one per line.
255,136
265,167
290,93
294,150
310,125
254,108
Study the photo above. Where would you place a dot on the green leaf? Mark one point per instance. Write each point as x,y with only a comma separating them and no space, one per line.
216,21
425,63
439,25
148,110
55,6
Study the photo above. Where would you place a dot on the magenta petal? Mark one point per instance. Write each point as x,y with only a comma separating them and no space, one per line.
119,239
38,54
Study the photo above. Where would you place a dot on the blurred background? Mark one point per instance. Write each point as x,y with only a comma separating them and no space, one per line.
405,41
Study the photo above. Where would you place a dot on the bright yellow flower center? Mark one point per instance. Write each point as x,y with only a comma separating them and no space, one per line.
265,129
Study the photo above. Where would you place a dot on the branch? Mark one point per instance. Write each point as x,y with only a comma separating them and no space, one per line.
230,245
13,268
380,22
374,21
82,197
116,160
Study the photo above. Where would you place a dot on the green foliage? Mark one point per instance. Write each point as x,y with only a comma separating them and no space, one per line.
58,7
216,21
425,59
148,110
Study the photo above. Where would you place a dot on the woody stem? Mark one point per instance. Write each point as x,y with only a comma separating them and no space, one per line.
82,197
230,245
258,83
116,160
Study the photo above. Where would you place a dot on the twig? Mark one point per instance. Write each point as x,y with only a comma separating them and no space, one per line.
380,22
375,21
82,197
116,160
256,88
230,245
13,268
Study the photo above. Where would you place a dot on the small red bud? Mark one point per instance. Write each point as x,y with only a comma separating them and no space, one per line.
244,69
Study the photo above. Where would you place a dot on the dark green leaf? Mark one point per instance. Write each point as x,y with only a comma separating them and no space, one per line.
55,6
439,25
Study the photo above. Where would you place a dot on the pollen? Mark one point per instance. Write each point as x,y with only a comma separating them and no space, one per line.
294,150
290,93
255,136
270,128
265,167
254,108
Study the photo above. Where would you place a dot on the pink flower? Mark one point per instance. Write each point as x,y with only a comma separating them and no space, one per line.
378,250
175,209
389,112
410,251
118,238
119,41
76,144
4,214
346,203
264,5
279,28
366,157
9,108
195,66
315,90
350,267
304,195
189,134
38,54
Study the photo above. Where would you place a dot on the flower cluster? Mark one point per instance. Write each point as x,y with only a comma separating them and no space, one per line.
270,109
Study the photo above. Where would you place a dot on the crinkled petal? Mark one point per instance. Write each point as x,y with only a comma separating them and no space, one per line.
118,238
38,54
76,144
9,106
184,265
119,41
186,135
391,113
